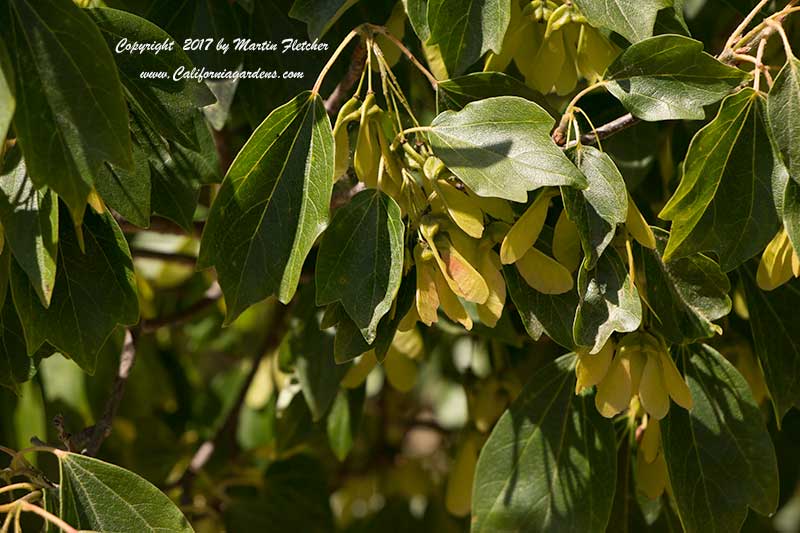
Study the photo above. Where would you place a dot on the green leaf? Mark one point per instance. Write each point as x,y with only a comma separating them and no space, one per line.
775,322
344,419
312,353
719,454
550,463
94,291
16,367
632,20
783,106
170,105
552,314
350,343
71,113
360,259
501,147
294,497
30,223
464,30
455,93
272,205
598,209
95,495
128,191
789,208
685,296
724,202
609,302
8,101
417,11
670,77
320,15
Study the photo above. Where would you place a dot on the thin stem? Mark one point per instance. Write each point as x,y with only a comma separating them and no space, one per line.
561,130
48,516
356,71
787,47
324,72
406,131
591,125
18,486
745,22
406,52
9,507
759,56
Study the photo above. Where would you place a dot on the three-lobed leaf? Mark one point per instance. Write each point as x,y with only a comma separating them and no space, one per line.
30,225
464,30
686,295
501,147
550,463
719,454
360,259
724,202
783,107
609,302
632,20
775,322
71,114
94,291
598,209
272,205
669,77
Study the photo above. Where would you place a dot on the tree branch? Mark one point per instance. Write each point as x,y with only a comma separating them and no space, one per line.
228,427
357,62
102,428
211,296
183,259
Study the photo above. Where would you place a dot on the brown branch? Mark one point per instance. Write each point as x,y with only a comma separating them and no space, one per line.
357,62
183,259
212,295
102,428
228,427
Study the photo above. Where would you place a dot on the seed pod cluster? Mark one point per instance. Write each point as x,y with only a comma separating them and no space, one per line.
638,367
552,45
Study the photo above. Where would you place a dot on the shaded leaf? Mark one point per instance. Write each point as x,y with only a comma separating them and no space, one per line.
170,105
724,202
94,291
464,30
685,295
272,205
16,367
320,15
8,101
783,107
417,11
775,322
294,497
128,191
598,209
360,259
30,223
550,462
609,302
344,420
552,314
95,495
501,147
71,113
719,455
670,77
632,20
457,92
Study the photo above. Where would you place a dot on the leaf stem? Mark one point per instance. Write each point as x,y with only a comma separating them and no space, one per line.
18,486
48,516
759,65
787,47
561,130
406,52
336,53
745,22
